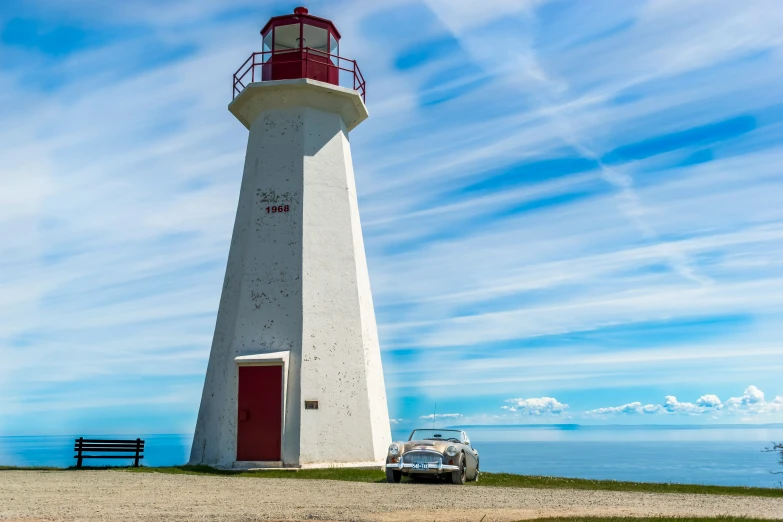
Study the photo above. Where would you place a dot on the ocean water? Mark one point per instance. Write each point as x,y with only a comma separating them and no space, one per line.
727,455
57,450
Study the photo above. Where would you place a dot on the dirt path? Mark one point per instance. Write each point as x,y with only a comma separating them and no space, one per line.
117,495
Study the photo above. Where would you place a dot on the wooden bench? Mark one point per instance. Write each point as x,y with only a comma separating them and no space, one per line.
132,449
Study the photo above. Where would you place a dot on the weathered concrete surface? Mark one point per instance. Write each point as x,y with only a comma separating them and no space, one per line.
300,92
297,282
117,495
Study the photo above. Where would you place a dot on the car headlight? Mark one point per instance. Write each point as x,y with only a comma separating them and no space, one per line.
394,449
451,451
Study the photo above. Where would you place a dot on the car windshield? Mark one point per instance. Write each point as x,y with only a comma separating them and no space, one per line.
437,435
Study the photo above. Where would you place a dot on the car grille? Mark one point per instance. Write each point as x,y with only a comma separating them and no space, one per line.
421,457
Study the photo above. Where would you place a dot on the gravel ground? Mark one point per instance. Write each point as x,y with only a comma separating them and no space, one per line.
117,495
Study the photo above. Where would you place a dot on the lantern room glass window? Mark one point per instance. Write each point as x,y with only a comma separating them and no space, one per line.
300,36
316,38
286,37
334,48
301,46
267,55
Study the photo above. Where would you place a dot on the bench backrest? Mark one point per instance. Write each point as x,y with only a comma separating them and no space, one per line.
131,449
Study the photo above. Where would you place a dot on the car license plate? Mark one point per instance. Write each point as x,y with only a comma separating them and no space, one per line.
421,465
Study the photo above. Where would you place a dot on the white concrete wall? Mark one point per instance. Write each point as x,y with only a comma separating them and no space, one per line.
340,354
260,307
376,387
298,282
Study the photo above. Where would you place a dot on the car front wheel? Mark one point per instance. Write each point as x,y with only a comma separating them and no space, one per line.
458,476
393,475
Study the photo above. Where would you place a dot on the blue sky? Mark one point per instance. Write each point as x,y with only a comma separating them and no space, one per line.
572,210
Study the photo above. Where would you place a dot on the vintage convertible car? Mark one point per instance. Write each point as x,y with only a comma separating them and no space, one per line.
433,452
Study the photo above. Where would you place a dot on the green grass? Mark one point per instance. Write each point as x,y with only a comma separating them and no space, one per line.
346,474
652,519
506,480
529,481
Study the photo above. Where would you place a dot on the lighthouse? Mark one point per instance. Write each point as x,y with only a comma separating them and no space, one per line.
294,376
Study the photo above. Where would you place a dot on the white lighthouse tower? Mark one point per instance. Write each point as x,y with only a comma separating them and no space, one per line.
294,376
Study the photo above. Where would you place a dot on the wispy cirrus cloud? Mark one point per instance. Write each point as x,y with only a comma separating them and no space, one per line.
558,199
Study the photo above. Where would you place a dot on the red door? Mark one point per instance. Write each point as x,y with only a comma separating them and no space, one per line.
260,419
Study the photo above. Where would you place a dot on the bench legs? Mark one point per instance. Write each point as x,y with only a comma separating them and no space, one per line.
138,449
79,458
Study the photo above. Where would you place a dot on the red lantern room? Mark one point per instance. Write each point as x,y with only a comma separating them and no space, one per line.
299,45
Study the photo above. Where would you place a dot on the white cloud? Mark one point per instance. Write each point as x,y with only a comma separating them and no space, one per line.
630,408
435,416
750,398
706,403
709,401
536,406
751,402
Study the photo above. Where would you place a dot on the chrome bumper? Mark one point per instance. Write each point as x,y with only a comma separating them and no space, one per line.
405,466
